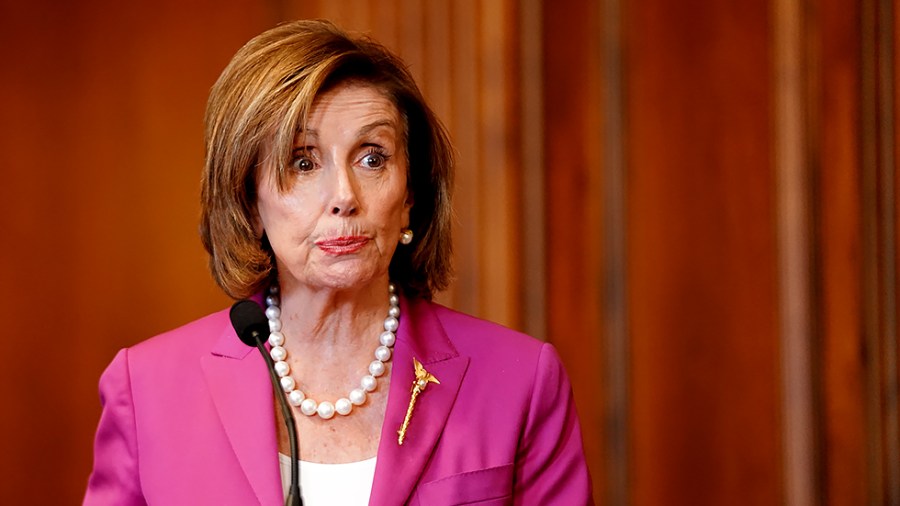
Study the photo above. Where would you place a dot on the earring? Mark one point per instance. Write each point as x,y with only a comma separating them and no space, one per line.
406,236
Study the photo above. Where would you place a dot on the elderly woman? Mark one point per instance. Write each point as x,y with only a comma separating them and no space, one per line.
326,199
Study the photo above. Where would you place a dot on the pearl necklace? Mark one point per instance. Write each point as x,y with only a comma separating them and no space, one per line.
368,383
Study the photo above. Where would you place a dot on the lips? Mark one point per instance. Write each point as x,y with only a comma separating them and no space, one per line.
343,245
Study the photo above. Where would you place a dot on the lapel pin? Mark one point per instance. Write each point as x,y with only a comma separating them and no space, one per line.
423,378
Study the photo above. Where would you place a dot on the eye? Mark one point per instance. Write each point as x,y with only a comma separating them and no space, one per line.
374,159
303,163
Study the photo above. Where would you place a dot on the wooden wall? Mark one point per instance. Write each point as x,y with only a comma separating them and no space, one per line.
694,201
101,150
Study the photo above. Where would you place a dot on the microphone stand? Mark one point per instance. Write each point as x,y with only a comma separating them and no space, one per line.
293,497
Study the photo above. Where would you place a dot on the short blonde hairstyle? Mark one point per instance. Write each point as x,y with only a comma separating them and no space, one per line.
265,95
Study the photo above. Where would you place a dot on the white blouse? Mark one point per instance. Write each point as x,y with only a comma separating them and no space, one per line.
328,484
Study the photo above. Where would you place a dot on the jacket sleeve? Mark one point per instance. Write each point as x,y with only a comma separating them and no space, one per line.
551,467
114,479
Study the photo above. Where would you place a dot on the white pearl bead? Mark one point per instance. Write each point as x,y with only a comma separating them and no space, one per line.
383,353
368,383
391,324
308,407
273,312
278,353
392,288
272,300
282,368
394,300
376,368
387,338
343,406
358,396
274,325
273,289
276,338
394,312
287,383
296,397
325,410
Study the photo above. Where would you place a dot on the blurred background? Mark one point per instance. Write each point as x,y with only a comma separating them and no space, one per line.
695,201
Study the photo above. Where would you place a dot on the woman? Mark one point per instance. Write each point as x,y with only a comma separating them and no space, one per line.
326,198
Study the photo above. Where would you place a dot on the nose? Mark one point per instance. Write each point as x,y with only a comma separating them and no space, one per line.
343,200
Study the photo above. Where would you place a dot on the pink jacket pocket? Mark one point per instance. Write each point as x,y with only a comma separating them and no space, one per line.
491,486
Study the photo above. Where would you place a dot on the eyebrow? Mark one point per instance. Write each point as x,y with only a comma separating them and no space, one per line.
365,129
375,125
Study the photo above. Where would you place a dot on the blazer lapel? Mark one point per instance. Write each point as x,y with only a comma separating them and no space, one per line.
242,393
420,335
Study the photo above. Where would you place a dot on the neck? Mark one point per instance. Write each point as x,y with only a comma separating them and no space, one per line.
334,318
325,359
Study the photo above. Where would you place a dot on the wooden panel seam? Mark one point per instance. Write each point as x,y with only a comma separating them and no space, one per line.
613,275
791,166
870,278
887,250
533,226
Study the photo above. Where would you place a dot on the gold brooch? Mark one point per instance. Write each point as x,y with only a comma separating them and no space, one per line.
423,378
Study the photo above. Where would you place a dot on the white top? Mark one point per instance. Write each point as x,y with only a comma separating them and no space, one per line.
329,484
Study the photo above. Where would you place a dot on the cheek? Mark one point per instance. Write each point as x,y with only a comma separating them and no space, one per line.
280,220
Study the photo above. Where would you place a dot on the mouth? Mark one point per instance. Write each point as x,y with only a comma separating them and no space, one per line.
343,245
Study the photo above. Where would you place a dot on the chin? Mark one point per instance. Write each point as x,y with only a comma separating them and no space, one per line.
346,280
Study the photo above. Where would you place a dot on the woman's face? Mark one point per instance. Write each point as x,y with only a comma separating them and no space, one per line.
338,221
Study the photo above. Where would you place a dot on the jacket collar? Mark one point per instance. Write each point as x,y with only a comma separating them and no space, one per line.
422,336
241,390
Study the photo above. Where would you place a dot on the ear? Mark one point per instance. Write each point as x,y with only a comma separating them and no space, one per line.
256,223
407,207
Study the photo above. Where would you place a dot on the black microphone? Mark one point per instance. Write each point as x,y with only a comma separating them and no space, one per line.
252,326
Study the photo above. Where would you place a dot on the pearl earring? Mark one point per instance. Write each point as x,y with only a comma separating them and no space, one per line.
406,236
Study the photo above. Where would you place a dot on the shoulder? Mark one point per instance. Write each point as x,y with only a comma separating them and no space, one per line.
174,351
497,355
202,332
473,335
165,373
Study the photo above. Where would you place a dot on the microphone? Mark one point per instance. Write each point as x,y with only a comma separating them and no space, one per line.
252,326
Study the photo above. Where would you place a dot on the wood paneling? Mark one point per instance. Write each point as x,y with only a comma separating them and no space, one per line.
838,229
573,177
101,148
879,283
616,341
702,274
791,155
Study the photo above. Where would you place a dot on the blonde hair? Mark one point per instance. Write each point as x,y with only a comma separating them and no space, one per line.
265,95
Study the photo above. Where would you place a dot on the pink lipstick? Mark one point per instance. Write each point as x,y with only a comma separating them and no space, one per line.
343,245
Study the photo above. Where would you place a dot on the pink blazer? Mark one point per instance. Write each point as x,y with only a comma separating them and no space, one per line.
188,419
